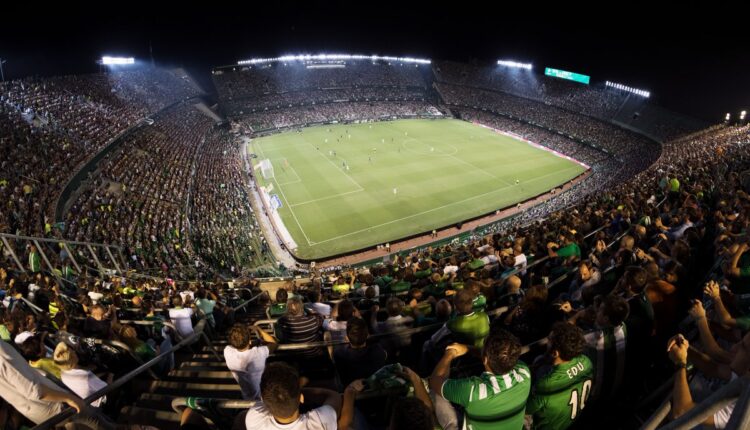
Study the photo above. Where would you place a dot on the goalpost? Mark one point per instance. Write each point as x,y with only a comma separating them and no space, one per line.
266,169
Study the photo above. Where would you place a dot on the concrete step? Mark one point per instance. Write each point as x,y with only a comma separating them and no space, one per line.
162,402
163,420
202,376
198,366
189,389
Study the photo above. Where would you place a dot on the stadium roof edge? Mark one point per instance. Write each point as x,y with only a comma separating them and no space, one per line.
324,57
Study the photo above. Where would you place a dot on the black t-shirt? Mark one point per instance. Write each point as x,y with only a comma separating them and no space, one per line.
356,363
97,329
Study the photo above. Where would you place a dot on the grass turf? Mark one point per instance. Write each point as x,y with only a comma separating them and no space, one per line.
443,172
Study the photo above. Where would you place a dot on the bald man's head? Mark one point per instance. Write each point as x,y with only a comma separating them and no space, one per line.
513,283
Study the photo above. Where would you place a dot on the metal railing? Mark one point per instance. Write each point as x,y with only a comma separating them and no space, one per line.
736,391
111,251
68,413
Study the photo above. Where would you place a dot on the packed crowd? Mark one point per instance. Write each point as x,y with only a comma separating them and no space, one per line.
225,232
324,113
49,127
596,293
274,101
595,100
624,144
256,80
62,343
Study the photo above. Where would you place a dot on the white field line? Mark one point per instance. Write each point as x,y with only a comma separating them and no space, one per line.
328,197
281,189
291,182
441,207
361,188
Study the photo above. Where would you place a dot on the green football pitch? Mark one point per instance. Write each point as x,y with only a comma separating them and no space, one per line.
348,187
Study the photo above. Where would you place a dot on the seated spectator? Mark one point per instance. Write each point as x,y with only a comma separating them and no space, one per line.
181,317
82,382
530,320
561,380
282,395
468,326
34,351
279,307
494,400
297,327
34,396
394,323
144,351
96,325
358,359
247,361
322,309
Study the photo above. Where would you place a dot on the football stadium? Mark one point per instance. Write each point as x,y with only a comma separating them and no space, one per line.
301,218
349,195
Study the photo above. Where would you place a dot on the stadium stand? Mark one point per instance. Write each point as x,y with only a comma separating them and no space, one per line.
565,316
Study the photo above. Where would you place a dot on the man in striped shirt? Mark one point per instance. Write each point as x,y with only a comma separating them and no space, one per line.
298,327
494,400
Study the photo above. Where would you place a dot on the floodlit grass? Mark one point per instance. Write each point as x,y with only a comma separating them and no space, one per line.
443,172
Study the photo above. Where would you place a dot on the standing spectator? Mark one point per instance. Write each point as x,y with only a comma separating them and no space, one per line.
282,395
494,400
181,317
247,361
358,359
562,381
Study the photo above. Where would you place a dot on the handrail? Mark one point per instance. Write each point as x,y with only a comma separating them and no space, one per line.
67,413
713,403
247,302
33,307
44,239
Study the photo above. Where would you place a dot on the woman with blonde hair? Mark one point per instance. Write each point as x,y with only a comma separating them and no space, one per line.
80,381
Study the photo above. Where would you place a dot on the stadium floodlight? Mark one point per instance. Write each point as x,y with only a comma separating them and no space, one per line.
742,115
727,117
621,87
514,64
332,57
117,61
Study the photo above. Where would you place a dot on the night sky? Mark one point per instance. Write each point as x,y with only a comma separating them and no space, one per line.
693,61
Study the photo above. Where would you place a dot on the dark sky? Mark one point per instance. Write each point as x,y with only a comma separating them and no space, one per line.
693,60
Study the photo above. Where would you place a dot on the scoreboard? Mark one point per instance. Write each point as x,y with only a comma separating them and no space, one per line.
564,74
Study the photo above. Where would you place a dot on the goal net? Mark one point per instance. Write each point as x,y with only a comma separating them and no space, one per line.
266,169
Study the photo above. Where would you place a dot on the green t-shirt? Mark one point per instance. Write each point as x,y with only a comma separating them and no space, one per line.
674,185
743,323
569,250
492,402
480,302
277,310
470,329
558,396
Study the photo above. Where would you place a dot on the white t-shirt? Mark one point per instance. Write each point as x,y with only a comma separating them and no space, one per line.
83,383
186,295
181,319
20,386
95,297
721,417
321,308
322,418
520,261
247,367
